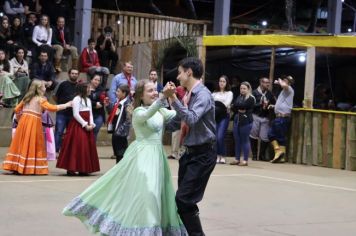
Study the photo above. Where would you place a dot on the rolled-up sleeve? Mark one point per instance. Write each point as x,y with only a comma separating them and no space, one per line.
193,114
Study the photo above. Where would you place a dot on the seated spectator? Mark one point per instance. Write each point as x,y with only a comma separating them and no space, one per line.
44,70
32,6
19,67
61,43
28,28
42,37
343,106
89,61
5,36
17,34
321,97
14,8
106,50
8,89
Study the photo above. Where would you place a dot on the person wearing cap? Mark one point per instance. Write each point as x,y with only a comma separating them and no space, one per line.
283,108
107,50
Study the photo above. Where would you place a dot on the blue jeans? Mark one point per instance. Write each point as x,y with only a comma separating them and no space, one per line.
62,121
279,130
221,128
98,121
242,141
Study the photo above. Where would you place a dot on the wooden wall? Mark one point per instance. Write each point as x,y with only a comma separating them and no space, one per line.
323,139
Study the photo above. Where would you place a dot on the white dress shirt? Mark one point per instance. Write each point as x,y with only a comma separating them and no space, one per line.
78,106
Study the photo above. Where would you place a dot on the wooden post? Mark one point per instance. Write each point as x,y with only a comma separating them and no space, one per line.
271,68
201,53
309,78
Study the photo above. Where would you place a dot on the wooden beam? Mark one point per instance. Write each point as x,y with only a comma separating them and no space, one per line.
271,68
309,78
201,53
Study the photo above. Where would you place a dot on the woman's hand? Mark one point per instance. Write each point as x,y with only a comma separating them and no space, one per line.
69,104
89,127
98,105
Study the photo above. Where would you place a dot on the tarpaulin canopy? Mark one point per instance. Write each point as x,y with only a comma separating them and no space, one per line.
339,41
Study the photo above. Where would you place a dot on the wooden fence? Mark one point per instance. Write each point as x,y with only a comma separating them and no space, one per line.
132,27
323,138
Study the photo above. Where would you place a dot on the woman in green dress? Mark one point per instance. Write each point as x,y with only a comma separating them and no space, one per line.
135,197
7,87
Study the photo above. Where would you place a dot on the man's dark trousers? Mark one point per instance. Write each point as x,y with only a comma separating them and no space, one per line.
195,168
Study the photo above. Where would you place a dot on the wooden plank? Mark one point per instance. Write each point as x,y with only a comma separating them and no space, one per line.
142,30
292,147
190,29
105,21
330,141
308,139
320,139
156,30
272,66
131,30
343,142
121,33
113,22
147,30
126,26
309,78
351,143
315,137
137,30
325,131
300,138
336,161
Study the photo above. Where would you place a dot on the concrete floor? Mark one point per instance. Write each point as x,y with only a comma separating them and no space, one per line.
261,199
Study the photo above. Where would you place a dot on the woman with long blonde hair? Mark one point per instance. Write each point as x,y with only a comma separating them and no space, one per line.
135,197
243,107
27,152
42,37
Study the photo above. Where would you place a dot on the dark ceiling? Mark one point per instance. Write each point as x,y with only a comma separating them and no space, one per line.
242,11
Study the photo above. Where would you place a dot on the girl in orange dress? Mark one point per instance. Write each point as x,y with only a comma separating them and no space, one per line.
27,153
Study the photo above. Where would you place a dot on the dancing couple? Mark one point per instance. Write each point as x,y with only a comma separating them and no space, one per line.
136,196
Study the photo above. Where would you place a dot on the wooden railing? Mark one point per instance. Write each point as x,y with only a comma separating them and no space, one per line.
323,138
133,28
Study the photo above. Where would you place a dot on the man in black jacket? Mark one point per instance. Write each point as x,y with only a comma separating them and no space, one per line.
61,42
261,122
107,50
43,70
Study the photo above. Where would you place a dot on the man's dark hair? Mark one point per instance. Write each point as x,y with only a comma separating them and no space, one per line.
70,70
108,29
153,69
194,64
91,40
44,51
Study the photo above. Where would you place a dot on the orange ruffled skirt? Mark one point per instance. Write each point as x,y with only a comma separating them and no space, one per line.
27,153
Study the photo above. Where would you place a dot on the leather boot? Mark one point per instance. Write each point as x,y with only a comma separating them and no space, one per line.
278,151
57,65
263,148
254,148
192,223
75,63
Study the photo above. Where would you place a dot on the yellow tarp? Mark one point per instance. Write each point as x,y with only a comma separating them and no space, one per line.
281,40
